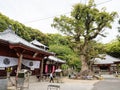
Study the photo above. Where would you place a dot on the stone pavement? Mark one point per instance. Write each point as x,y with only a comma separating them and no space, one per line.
67,84
108,83
3,84
63,86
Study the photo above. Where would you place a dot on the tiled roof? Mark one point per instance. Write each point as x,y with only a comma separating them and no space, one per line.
37,43
53,58
10,36
106,60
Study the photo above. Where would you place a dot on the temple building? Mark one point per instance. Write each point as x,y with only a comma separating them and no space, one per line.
106,65
17,53
51,63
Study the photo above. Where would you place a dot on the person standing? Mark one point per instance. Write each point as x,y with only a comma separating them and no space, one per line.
51,77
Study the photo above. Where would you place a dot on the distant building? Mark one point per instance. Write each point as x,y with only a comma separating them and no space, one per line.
106,64
51,63
40,45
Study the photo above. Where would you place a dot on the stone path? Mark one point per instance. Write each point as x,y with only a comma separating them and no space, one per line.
67,84
3,84
109,83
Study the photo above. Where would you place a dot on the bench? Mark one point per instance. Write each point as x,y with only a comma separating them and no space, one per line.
50,87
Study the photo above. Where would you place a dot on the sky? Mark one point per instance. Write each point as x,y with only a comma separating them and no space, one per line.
39,14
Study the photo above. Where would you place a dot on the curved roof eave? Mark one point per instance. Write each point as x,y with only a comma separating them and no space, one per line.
53,58
10,37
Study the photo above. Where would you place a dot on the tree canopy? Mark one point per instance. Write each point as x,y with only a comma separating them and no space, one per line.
57,43
113,48
60,45
23,31
85,24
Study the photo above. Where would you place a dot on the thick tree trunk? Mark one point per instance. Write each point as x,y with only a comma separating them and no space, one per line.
84,66
85,70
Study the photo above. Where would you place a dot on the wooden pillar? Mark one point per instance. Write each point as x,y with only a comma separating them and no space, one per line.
109,69
41,70
118,68
19,64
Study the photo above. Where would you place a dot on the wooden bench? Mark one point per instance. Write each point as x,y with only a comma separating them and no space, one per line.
50,87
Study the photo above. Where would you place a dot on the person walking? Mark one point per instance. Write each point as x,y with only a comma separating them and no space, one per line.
51,77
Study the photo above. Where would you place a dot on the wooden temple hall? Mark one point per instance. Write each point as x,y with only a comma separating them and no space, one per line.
17,53
106,65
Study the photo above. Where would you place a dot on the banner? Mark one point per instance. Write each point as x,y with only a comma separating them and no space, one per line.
53,69
46,68
11,61
31,64
8,61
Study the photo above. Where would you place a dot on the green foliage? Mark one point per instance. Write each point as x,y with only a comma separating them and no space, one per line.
77,26
58,44
26,33
113,49
61,50
94,49
64,66
119,30
57,39
3,22
62,47
67,54
85,21
85,24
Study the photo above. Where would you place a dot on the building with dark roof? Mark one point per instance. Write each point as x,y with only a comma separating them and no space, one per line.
51,63
15,49
106,64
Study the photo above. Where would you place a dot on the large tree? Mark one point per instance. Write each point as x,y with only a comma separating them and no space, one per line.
60,46
85,24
